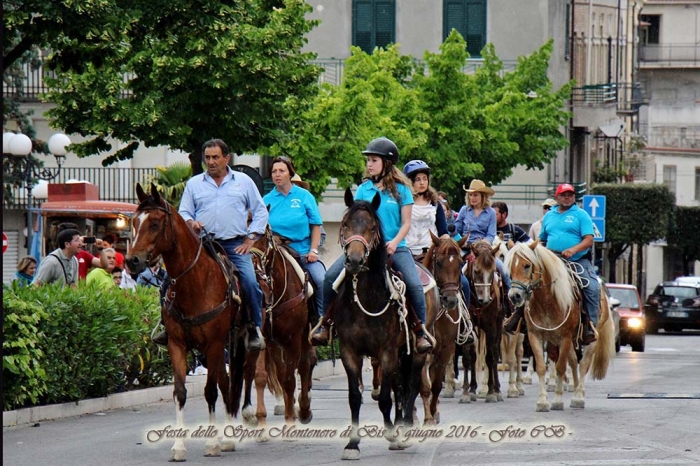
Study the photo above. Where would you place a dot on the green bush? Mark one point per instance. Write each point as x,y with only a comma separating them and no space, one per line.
325,353
93,342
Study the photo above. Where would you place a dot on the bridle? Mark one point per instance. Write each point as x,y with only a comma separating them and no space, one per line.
532,284
447,286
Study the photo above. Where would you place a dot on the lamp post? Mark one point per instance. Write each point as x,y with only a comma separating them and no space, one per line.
20,145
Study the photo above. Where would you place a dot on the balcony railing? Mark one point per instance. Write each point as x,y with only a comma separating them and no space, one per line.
599,94
114,184
630,97
671,54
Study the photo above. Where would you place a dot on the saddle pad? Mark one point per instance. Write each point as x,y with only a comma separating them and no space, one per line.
300,272
424,275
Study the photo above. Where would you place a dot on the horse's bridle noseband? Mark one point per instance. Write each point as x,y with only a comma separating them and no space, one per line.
528,288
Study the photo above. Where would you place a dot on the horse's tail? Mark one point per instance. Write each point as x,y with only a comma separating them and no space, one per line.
273,383
604,350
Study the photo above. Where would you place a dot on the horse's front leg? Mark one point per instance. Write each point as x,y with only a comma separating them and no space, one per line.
227,444
215,361
425,391
353,368
260,408
519,353
376,378
288,360
513,364
178,358
561,363
541,368
579,376
306,368
492,343
450,386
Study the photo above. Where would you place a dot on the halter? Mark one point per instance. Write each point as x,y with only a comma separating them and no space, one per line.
356,238
474,284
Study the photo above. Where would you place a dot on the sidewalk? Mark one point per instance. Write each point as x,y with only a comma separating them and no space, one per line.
195,386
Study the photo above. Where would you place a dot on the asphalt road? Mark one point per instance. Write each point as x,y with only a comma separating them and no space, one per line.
646,412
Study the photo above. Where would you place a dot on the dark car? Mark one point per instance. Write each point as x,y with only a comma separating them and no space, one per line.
674,306
632,327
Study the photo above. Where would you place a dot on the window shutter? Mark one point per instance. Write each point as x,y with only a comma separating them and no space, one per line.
476,27
455,18
385,15
362,25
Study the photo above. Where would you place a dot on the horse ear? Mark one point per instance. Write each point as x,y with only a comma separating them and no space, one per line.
349,198
534,244
376,200
510,244
140,194
463,241
495,249
435,239
155,193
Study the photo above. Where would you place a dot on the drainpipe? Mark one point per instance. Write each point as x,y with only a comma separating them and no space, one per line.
590,40
572,71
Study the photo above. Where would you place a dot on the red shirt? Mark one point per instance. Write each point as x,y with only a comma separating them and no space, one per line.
84,263
120,259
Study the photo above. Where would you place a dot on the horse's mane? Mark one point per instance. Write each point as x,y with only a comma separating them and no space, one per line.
377,255
151,203
485,258
562,286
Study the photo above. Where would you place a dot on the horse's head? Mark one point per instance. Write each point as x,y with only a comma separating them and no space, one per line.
360,232
525,272
502,247
152,217
444,260
483,271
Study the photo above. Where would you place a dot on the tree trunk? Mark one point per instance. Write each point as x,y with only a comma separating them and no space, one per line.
640,264
196,162
630,266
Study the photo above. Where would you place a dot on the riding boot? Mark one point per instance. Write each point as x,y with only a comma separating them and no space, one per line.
422,343
322,335
161,338
589,335
255,341
512,325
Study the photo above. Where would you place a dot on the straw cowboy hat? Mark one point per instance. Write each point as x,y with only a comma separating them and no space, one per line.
296,179
549,202
478,186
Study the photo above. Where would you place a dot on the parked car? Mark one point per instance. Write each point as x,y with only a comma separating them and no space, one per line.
632,326
613,303
674,306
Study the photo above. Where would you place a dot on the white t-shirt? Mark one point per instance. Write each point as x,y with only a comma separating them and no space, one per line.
422,222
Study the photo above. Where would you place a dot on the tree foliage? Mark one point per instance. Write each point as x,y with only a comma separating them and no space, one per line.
463,126
179,72
683,235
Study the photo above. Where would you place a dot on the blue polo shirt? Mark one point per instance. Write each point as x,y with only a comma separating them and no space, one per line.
389,210
562,230
292,215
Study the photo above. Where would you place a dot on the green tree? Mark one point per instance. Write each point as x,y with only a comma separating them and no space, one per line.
636,214
462,125
683,236
179,72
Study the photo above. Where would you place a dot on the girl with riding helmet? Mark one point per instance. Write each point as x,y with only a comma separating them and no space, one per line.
395,214
427,215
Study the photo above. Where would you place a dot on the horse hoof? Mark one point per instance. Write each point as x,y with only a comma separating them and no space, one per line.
429,422
578,404
279,410
550,388
375,395
228,445
437,418
513,393
491,398
179,455
521,391
465,400
499,397
558,406
351,454
527,380
248,415
448,394
542,408
212,451
399,446
306,419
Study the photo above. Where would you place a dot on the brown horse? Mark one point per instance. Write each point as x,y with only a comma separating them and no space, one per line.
285,326
487,314
371,321
201,310
541,281
444,261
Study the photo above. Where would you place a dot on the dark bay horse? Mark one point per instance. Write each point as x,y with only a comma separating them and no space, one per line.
371,321
541,281
285,326
487,314
201,310
444,261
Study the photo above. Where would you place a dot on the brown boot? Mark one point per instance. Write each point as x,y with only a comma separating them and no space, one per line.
322,335
422,344
161,338
511,325
589,335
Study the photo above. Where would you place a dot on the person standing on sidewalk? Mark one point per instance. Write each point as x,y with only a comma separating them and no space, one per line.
61,264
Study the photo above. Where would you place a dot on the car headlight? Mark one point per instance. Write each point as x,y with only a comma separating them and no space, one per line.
635,322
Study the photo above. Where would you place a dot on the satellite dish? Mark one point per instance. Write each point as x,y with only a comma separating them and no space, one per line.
252,173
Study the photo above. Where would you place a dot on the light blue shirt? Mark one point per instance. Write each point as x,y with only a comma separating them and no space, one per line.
483,227
389,211
292,215
566,229
223,210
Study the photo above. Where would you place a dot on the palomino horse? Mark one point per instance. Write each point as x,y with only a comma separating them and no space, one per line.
201,309
541,281
285,326
487,314
370,317
444,261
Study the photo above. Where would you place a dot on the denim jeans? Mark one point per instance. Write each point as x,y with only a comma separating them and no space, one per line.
591,293
316,272
402,262
251,290
465,290
505,274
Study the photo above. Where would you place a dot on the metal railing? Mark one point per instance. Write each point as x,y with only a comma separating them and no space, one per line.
114,184
630,97
671,54
599,94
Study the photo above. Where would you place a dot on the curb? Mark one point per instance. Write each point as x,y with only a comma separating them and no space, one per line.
195,385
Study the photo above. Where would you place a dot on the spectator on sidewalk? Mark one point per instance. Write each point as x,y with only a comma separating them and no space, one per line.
61,265
26,268
102,278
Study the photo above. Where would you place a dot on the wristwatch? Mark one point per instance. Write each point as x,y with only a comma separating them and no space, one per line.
315,251
253,236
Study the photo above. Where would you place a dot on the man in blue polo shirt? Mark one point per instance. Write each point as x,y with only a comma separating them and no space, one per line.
568,230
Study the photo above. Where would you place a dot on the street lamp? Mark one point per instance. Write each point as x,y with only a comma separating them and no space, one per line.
20,145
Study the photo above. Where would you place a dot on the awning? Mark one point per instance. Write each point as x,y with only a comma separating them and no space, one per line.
613,129
92,209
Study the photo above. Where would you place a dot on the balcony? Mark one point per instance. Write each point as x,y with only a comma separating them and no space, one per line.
596,95
629,98
114,184
669,55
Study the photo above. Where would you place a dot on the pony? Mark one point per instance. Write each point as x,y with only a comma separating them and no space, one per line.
370,319
286,290
487,313
452,324
541,281
194,319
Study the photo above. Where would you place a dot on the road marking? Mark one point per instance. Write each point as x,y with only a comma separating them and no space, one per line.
672,396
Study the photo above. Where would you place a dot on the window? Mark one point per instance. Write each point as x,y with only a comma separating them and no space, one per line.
697,183
650,29
373,23
567,46
468,17
670,177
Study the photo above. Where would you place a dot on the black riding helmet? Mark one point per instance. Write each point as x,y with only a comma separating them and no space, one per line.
384,148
